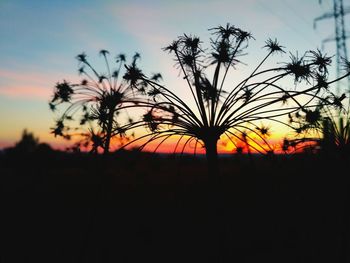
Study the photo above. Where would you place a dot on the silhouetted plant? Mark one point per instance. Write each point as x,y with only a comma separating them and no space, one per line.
232,112
327,128
336,134
96,100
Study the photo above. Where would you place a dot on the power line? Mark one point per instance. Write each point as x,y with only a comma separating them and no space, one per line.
297,14
305,36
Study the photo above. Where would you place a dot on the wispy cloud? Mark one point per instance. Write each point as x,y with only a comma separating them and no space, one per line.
157,23
142,22
27,85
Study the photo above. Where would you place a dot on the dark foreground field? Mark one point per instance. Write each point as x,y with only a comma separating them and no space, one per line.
70,208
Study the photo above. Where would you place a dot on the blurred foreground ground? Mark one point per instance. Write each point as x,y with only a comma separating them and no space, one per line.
140,208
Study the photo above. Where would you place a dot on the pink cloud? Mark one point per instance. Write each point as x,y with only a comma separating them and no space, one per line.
22,76
27,85
25,92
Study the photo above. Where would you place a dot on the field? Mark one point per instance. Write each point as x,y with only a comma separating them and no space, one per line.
136,207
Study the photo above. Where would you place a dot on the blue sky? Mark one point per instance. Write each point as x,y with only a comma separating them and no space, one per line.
40,39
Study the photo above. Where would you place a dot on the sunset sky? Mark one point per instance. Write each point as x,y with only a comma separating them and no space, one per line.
40,39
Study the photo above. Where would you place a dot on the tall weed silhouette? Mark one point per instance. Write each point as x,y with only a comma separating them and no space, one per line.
224,111
95,102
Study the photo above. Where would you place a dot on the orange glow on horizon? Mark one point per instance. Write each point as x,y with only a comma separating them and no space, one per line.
171,145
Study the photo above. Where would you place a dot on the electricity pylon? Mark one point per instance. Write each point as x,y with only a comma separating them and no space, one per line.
341,35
